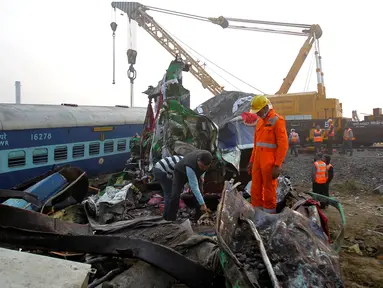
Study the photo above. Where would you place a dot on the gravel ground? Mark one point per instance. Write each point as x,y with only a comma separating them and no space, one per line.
364,168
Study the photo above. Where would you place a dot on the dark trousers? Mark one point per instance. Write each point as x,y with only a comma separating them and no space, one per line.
171,210
165,182
347,146
322,189
330,140
293,149
318,147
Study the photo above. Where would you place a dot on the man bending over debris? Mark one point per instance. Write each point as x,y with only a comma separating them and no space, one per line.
320,177
270,149
163,173
189,170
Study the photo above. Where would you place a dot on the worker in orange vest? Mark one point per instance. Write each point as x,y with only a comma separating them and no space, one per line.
320,177
348,135
330,136
270,149
293,142
318,139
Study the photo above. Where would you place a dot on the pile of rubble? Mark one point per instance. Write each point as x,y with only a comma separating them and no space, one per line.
362,169
247,252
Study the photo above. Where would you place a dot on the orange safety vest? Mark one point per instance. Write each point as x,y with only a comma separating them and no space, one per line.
346,135
331,130
321,174
318,136
294,137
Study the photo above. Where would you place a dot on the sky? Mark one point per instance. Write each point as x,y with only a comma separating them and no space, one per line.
61,51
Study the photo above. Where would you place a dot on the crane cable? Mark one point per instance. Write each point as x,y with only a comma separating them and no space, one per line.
200,55
219,67
309,73
237,27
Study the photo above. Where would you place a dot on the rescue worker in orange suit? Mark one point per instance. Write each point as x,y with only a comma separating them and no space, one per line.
270,149
318,139
330,136
348,135
293,142
320,177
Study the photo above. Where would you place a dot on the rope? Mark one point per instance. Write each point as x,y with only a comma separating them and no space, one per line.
219,67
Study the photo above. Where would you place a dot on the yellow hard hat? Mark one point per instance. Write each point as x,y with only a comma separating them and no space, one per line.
258,102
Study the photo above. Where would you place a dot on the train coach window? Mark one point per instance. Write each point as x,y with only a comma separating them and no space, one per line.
108,146
40,156
16,159
61,153
94,148
78,151
121,145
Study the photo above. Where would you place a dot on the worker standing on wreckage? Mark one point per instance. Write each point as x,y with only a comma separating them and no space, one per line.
270,149
191,169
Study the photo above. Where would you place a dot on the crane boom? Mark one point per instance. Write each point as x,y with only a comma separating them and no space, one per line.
315,32
137,12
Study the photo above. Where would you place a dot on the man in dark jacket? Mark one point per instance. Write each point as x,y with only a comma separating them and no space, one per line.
191,169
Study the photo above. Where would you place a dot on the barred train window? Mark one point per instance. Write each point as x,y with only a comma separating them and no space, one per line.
40,156
61,153
16,159
94,148
121,145
108,146
78,151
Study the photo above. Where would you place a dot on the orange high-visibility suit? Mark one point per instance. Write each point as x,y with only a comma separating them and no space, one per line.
270,148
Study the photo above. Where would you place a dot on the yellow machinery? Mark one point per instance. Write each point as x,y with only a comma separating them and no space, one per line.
310,105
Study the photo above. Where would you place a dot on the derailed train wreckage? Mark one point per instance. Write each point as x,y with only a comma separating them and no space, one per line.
248,249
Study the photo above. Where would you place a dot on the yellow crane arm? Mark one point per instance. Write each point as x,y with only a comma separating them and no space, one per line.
315,32
137,12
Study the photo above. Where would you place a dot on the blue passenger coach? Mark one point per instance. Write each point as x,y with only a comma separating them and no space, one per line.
34,138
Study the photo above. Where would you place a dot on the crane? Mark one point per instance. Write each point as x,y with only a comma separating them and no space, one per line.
137,12
312,32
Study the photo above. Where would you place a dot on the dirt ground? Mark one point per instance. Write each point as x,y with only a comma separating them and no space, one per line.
364,228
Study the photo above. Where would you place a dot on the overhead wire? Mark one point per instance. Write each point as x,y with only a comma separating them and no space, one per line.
219,67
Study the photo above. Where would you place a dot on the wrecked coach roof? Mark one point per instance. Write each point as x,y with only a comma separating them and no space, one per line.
225,106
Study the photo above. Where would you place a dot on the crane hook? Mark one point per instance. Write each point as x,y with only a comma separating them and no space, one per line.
132,73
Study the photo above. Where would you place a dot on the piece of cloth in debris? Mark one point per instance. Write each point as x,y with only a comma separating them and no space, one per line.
249,118
323,217
112,205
